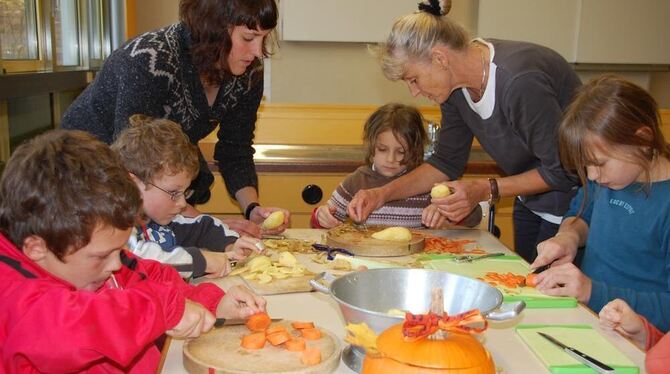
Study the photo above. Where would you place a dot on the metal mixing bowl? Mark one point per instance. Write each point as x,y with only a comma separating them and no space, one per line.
368,296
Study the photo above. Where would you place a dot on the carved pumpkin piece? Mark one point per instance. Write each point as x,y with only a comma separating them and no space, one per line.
440,352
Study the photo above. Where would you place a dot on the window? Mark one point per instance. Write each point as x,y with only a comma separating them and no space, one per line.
20,34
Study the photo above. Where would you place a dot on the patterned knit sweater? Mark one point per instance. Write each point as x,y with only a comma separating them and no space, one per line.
153,75
405,212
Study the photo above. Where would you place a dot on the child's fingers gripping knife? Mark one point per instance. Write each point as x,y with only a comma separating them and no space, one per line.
195,321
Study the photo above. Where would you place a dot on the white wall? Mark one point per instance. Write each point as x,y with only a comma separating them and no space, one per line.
346,73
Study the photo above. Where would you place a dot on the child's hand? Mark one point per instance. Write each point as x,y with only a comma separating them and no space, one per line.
364,203
195,321
432,218
243,247
259,214
218,264
561,249
618,315
240,302
565,280
325,216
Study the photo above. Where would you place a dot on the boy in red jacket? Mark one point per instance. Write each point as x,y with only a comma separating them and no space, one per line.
73,300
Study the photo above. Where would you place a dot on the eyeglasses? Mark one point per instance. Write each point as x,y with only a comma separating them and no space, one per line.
175,195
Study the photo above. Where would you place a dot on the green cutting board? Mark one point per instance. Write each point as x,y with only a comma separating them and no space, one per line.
580,337
504,264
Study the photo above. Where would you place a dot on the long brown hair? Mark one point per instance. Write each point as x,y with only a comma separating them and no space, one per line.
406,123
611,110
210,22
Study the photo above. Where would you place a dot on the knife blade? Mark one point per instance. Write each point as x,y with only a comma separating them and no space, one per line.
580,356
236,321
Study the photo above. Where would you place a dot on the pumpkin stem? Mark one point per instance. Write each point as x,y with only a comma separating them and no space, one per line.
437,308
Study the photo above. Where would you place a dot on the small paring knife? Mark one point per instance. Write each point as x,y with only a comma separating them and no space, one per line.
589,361
236,321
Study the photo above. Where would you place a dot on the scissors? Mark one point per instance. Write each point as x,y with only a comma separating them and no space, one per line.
331,251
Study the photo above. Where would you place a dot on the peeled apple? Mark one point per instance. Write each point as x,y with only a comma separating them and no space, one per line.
274,220
439,190
396,234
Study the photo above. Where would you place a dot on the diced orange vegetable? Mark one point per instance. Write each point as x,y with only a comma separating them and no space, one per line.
531,280
311,356
302,325
278,338
276,328
295,345
258,322
311,334
254,340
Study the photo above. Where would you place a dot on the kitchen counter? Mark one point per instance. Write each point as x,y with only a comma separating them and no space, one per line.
337,159
509,352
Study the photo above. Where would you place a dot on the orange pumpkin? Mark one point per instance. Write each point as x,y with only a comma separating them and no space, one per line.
457,353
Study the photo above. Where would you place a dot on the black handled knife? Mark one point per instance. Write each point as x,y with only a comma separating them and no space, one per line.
579,356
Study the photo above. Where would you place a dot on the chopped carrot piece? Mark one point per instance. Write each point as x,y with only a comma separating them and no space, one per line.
254,340
531,280
311,356
278,338
258,322
274,329
295,345
302,325
311,334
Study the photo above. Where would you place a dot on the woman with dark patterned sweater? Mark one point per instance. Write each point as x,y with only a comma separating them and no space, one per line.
203,72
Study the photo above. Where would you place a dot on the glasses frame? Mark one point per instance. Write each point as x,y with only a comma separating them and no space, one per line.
175,195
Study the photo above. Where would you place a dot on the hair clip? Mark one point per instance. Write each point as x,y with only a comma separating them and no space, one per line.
435,7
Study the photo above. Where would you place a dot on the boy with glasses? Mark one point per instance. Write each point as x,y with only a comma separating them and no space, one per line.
162,162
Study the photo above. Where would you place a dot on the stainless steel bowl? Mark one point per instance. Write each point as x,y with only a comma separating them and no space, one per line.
368,296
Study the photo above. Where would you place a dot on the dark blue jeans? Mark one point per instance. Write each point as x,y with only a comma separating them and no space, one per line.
529,231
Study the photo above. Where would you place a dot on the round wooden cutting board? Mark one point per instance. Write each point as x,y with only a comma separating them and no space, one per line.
360,242
219,351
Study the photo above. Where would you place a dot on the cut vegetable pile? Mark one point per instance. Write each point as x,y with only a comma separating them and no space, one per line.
264,269
262,331
445,245
509,280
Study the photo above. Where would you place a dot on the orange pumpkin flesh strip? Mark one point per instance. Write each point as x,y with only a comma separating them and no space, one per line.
274,329
302,325
311,356
295,345
254,340
258,322
311,334
278,338
531,280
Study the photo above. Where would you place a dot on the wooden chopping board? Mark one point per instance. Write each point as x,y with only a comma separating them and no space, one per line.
219,351
280,286
360,242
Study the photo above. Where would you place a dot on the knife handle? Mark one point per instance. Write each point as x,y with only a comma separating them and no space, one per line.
589,361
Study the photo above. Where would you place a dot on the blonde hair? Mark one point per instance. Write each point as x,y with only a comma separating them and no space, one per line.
406,123
153,147
414,35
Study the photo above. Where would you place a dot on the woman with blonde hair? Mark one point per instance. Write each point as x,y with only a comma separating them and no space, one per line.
509,95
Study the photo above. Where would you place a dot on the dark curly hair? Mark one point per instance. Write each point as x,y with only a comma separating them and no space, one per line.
209,23
61,186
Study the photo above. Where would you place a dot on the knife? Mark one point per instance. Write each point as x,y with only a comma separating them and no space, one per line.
236,321
579,356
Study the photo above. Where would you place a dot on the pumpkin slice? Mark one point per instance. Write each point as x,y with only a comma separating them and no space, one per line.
311,334
295,345
254,340
258,322
278,338
302,325
311,356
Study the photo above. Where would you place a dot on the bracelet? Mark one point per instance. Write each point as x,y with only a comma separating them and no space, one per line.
494,195
250,208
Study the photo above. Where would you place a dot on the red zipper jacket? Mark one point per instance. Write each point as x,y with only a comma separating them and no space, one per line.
47,325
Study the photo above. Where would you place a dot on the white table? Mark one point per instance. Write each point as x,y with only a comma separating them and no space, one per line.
509,352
